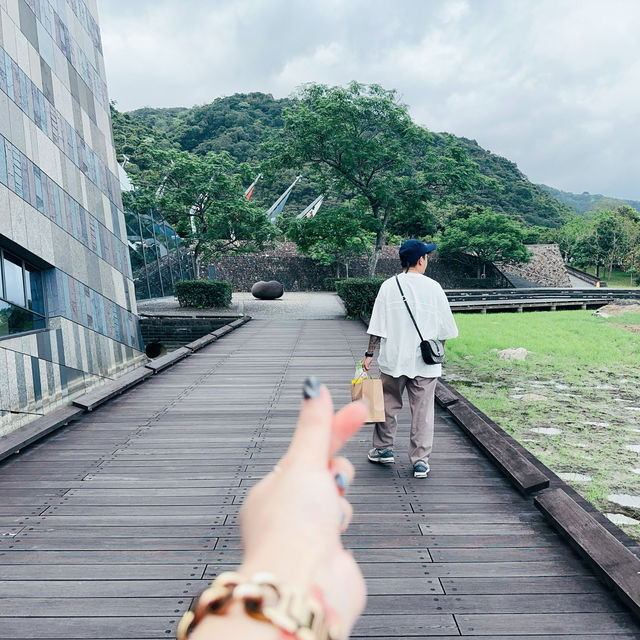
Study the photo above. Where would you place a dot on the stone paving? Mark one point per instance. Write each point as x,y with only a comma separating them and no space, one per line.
302,305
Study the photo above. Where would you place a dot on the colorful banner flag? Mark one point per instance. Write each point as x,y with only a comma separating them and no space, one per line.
249,192
278,205
312,209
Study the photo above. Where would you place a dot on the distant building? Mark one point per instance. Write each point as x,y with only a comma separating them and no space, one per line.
67,305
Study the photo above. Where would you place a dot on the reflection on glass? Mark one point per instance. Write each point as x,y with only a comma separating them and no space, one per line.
16,320
14,284
34,295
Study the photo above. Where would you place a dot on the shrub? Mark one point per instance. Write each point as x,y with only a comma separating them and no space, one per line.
203,294
329,284
358,294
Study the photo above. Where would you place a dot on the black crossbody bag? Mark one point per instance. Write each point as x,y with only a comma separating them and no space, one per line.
432,350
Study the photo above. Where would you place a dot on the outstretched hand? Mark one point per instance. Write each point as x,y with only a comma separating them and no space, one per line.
292,519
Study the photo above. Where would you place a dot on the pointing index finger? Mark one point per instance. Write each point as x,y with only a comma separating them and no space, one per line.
310,444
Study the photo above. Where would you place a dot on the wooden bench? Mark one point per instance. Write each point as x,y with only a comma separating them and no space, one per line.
38,428
105,392
170,359
201,342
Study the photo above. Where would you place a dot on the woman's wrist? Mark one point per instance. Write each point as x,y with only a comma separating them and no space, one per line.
233,625
264,599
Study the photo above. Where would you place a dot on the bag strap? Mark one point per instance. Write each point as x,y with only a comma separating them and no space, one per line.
406,304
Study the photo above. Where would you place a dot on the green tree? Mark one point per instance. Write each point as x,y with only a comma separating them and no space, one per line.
202,198
492,237
609,241
334,236
363,141
575,239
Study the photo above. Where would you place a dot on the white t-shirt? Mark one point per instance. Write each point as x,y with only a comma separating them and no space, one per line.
400,345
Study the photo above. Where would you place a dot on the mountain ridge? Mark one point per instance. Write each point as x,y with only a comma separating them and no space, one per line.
585,202
238,123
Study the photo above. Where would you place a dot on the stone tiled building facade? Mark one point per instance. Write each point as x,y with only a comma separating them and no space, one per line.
67,304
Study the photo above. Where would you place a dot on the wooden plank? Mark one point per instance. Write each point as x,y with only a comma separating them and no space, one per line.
524,475
101,394
93,627
546,624
402,626
59,607
33,542
159,364
537,584
83,571
222,331
445,395
38,428
142,498
618,566
494,604
198,344
102,589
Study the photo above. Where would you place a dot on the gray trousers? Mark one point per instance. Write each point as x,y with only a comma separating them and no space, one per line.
421,393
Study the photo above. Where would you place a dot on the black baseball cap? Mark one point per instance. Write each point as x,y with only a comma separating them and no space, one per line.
412,250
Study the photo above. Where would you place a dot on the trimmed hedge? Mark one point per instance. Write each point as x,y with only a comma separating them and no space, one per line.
203,294
329,283
358,294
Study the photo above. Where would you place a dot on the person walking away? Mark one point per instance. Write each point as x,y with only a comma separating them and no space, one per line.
400,360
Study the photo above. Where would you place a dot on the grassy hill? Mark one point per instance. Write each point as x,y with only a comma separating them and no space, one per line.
238,124
584,202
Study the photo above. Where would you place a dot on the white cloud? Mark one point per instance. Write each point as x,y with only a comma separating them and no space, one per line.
551,84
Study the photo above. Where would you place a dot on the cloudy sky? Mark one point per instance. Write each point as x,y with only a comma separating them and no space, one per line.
553,85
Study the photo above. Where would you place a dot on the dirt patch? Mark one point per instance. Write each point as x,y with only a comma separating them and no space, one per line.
617,308
634,328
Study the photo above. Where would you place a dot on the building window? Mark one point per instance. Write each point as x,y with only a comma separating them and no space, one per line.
21,296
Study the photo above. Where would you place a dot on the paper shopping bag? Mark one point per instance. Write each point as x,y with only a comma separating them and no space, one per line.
370,390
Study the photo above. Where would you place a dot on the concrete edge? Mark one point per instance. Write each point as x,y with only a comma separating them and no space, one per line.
33,431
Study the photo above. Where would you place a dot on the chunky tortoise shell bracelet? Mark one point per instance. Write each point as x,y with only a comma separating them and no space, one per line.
264,598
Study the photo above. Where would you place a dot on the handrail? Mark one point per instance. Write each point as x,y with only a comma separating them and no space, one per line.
583,275
462,295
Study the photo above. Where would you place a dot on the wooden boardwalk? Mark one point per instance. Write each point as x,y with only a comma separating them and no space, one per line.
109,527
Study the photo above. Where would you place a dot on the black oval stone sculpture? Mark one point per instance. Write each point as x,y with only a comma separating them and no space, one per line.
267,290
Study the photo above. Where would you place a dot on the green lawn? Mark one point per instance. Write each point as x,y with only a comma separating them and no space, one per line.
581,378
618,280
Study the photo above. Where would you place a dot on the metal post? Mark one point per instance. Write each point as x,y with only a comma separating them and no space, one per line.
144,256
178,254
155,242
166,239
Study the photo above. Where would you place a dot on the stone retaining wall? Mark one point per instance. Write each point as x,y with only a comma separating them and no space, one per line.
546,268
172,331
299,273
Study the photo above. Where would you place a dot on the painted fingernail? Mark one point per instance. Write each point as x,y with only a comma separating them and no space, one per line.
342,481
311,388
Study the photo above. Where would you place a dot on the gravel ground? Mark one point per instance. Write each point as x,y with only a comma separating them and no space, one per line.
303,305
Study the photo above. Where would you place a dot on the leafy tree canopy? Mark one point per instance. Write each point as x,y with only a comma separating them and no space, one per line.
362,142
492,236
336,235
203,198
